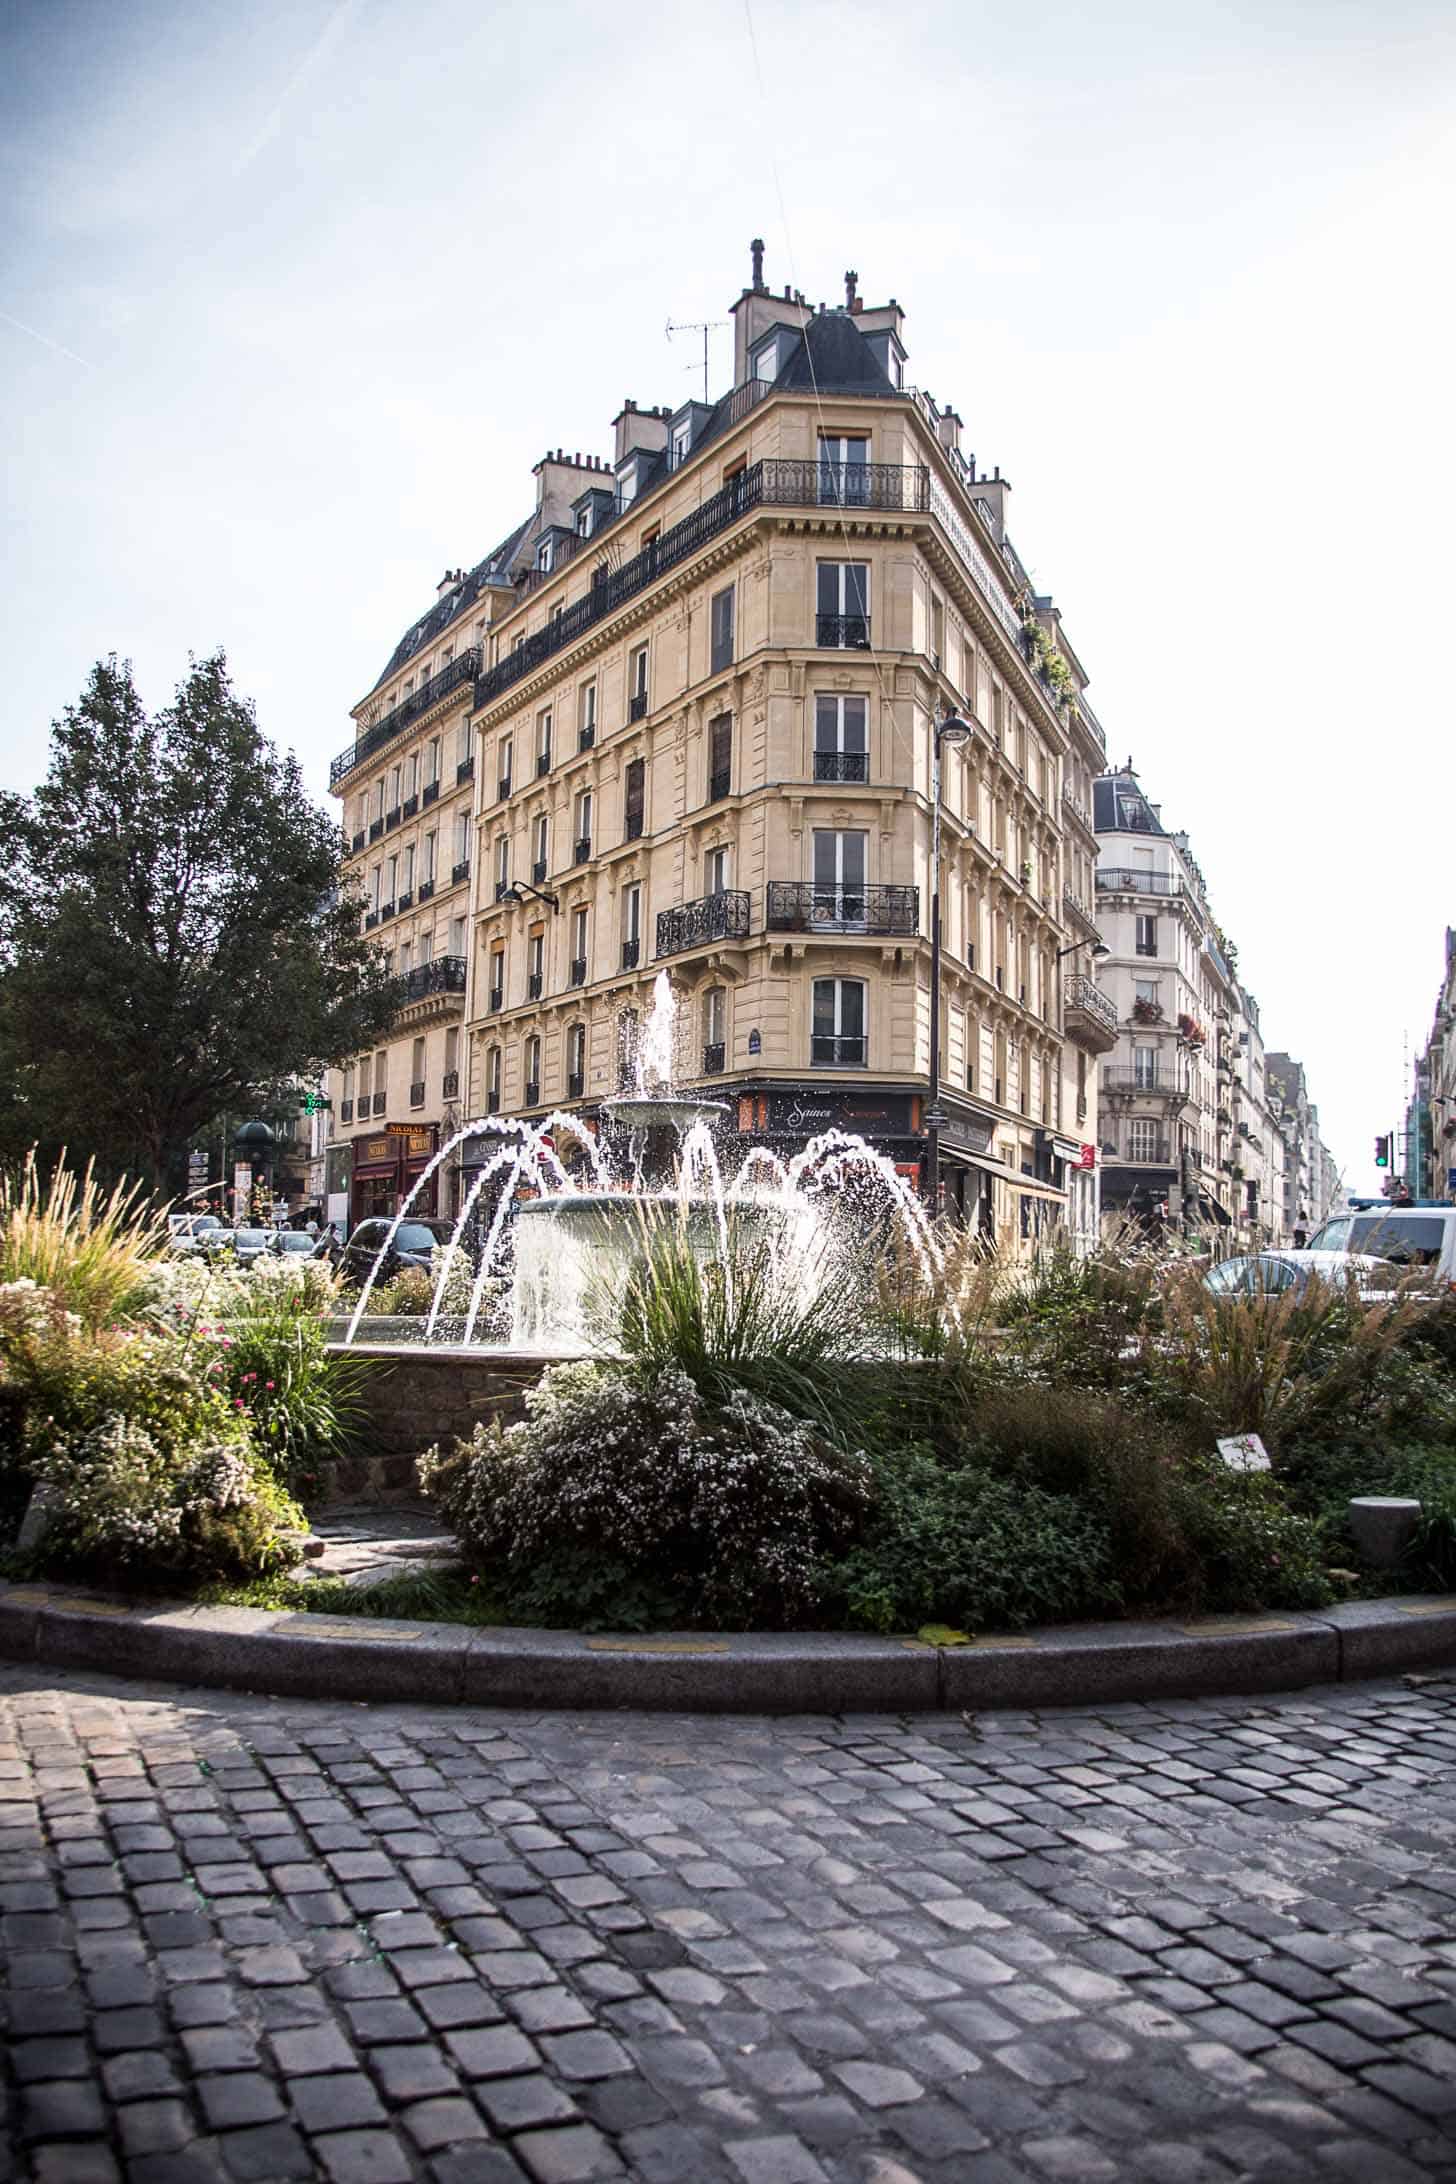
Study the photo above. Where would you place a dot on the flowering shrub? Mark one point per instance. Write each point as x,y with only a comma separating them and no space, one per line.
122,1503
632,1499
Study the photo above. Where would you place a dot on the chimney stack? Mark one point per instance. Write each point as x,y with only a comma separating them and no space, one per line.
756,246
851,299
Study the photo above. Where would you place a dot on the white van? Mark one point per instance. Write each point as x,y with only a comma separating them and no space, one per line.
1413,1236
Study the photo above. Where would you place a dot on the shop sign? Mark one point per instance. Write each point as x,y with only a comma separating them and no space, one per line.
967,1131
378,1148
810,1111
1088,1157
419,1144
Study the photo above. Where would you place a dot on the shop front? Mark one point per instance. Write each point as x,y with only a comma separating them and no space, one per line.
387,1165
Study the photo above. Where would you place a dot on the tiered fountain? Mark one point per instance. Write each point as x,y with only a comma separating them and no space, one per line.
560,1246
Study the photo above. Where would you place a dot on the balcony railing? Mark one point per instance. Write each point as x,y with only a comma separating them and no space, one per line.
582,848
719,784
577,973
446,974
381,1102
764,484
575,1085
503,787
371,919
358,842
492,1101
637,706
1080,993
631,950
1161,1081
634,826
841,766
417,1094
543,758
713,1059
534,985
460,871
585,738
828,1052
496,1000
797,906
384,731
376,828
1119,881
426,890
465,771
533,1092
450,1085
346,1110
409,807
849,631
386,910
405,900
724,916
431,792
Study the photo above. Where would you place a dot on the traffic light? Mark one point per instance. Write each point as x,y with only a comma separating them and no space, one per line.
1382,1152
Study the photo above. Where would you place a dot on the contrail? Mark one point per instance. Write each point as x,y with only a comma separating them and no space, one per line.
326,37
45,340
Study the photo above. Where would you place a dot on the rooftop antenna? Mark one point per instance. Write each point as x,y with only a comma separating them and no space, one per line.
697,326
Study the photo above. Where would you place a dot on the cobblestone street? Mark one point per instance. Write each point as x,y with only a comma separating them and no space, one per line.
265,1939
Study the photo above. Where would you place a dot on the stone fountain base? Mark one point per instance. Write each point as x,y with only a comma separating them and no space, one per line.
413,1397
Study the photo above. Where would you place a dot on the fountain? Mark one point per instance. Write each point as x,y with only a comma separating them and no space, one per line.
559,1247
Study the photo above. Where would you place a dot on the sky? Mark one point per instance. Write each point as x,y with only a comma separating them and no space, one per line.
292,296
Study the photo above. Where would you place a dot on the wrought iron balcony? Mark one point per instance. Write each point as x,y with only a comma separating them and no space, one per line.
841,766
503,787
534,985
465,771
543,758
634,826
381,732
582,849
723,916
417,1094
637,706
460,871
848,631
502,889
1088,1016
446,974
575,1085
492,1103
376,828
496,1000
1118,880
1162,1083
450,1085
391,820
538,872
410,806
631,950
533,1092
836,1053
426,890
358,841
713,1059
585,738
431,792
405,901
371,919
719,784
346,1110
381,1102
386,910
577,973
797,906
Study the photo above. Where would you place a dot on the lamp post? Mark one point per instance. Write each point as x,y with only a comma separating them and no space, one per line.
952,729
517,892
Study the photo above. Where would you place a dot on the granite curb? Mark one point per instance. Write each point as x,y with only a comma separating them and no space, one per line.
364,1657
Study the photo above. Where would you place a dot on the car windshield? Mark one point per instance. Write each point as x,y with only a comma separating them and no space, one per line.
295,1241
414,1236
1411,1239
251,1235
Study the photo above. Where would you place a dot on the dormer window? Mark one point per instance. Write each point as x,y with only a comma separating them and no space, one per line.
627,484
766,361
682,441
543,556
583,521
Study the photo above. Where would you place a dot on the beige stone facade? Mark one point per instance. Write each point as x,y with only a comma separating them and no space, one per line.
701,737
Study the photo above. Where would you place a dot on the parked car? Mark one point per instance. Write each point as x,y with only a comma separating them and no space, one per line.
216,1242
1272,1273
188,1233
1410,1236
250,1244
414,1241
294,1243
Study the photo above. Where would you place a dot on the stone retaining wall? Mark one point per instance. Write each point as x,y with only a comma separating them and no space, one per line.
414,1397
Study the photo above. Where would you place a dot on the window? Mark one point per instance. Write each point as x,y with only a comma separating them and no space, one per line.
682,440
502,865
395,777
843,604
462,842
634,798
721,631
379,801
533,1071
586,724
503,776
637,683
583,521
408,877
631,927
543,557
427,945
535,965
1142,1138
839,877
493,1081
576,1061
391,885
463,741
432,761
766,362
720,756
715,872
841,738
543,742
1146,991
381,1075
457,936
375,876
540,848
1147,936
843,470
497,994
1145,1065
715,1018
838,1036
583,826
452,1048
404,958
578,947
417,1073
427,859
411,775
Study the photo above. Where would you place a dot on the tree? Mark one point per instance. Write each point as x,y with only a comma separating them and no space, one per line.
177,937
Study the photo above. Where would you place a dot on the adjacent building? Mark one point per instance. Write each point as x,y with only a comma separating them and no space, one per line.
1311,1181
681,718
1435,1135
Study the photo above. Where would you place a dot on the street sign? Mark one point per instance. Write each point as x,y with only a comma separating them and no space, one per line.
1244,1452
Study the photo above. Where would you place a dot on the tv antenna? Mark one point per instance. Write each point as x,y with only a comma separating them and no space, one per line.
697,326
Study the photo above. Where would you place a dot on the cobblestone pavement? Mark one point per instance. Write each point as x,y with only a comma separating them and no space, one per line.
264,1939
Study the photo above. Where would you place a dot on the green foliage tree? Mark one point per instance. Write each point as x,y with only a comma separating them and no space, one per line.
177,939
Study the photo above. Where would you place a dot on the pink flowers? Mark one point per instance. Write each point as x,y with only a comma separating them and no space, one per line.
267,1383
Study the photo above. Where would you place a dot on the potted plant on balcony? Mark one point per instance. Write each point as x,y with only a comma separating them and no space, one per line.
1147,1012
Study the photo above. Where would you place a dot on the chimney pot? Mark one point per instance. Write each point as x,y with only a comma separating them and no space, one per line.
756,248
851,282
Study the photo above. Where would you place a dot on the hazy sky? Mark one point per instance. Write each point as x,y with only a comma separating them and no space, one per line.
292,296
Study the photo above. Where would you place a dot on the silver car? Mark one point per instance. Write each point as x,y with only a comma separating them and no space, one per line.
250,1244
1275,1273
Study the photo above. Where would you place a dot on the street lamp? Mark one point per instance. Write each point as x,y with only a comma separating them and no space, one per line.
1099,949
952,729
519,889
